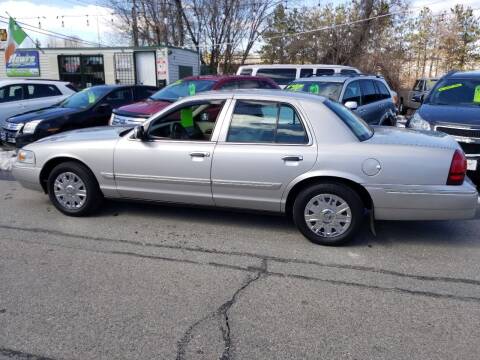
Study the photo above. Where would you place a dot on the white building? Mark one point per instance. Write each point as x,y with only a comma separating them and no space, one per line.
83,67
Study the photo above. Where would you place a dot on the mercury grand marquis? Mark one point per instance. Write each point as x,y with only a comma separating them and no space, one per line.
297,154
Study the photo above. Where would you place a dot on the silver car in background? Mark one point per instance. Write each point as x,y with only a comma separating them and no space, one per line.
284,152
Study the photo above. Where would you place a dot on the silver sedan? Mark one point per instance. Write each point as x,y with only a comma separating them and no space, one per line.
297,154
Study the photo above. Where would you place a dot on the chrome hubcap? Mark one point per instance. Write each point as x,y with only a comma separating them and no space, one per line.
70,191
328,215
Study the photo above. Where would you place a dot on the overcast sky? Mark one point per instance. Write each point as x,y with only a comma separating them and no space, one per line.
48,10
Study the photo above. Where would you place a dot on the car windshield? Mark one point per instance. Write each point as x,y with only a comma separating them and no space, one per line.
359,127
430,83
331,90
460,92
85,98
182,88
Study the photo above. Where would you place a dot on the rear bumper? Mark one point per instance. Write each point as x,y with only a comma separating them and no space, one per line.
27,176
426,202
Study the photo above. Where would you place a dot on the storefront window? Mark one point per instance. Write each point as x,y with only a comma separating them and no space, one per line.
82,70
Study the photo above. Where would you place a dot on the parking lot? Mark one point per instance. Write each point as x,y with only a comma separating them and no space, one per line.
141,281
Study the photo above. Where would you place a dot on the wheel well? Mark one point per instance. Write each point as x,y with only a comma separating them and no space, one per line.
50,164
359,189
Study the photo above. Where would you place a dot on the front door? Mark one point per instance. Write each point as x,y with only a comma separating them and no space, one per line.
145,68
174,160
265,147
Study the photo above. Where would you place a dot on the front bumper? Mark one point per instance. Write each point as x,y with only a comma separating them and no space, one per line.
424,202
27,176
16,139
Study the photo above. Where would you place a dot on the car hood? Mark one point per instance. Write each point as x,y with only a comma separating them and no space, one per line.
435,114
146,107
89,134
397,136
43,114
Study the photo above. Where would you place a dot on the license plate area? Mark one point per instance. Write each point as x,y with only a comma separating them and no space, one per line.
472,164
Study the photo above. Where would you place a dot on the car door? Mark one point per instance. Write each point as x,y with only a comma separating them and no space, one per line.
353,92
417,90
371,109
101,113
386,103
11,101
41,96
173,161
263,146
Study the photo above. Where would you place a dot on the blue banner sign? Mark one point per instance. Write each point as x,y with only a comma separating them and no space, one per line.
24,63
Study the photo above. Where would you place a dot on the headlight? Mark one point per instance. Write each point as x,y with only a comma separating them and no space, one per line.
418,123
30,127
26,157
112,119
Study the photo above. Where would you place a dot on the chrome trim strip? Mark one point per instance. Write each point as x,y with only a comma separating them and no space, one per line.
247,184
107,175
163,179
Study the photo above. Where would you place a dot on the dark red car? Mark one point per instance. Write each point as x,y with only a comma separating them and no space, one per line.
137,113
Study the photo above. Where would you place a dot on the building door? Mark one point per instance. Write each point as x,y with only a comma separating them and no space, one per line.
145,68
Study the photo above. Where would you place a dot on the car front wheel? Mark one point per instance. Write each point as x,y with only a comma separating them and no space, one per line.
328,213
73,189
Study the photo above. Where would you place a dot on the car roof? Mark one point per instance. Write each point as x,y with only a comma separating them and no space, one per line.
475,74
35,81
300,66
277,95
338,78
223,77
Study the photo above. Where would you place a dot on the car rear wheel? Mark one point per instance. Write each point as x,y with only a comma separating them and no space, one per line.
73,189
328,213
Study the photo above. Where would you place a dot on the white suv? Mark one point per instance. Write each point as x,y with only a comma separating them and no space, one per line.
18,96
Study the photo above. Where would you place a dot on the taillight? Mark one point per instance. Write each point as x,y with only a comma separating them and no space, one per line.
458,168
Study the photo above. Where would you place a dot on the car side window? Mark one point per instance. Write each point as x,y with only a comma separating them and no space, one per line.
246,71
193,121
265,122
325,72
229,85
35,91
11,93
142,93
382,90
119,97
279,75
418,85
369,93
249,84
306,72
352,93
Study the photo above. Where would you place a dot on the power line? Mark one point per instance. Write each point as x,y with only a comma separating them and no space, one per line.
51,33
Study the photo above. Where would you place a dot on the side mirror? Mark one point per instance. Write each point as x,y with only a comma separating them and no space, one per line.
139,132
104,108
417,98
352,105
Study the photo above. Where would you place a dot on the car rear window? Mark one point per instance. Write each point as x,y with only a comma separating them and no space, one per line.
359,127
183,88
328,89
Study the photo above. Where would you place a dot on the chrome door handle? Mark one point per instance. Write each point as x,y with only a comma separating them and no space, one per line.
200,154
292,158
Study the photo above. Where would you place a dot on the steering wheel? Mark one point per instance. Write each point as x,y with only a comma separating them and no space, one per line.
177,131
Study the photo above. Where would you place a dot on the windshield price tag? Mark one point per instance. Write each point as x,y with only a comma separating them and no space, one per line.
191,89
449,87
295,87
314,89
476,95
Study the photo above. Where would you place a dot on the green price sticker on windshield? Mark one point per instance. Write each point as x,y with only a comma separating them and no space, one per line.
314,89
476,95
91,97
449,87
191,89
295,87
177,82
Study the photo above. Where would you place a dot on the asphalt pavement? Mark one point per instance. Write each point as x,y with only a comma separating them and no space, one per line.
143,281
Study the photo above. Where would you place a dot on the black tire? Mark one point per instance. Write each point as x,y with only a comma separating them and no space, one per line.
344,192
94,196
401,108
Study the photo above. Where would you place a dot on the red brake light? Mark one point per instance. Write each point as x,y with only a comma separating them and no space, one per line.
458,168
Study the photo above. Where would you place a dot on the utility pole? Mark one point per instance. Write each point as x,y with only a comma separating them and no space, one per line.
134,24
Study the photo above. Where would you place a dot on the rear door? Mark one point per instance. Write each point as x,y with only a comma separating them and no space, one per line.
41,95
263,146
371,109
11,101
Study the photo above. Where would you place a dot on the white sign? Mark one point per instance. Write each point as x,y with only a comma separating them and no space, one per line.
162,64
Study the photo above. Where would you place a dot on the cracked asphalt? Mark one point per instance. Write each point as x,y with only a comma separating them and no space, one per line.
142,281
